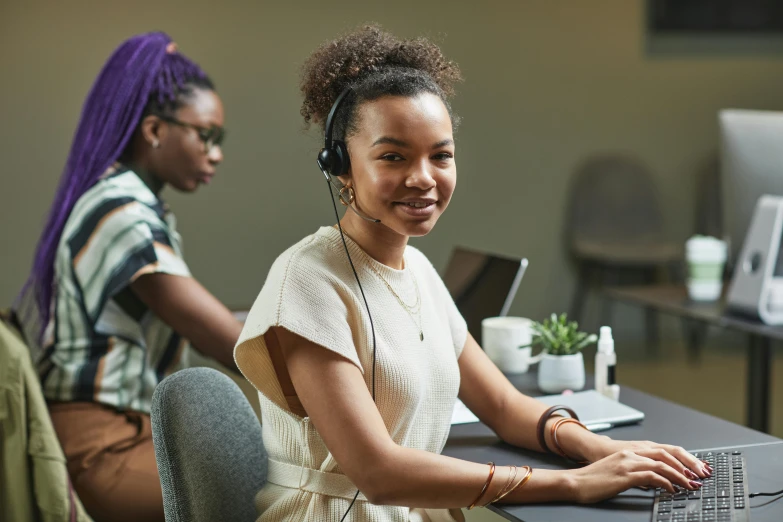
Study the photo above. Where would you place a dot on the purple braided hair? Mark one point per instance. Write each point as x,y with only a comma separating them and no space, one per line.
145,74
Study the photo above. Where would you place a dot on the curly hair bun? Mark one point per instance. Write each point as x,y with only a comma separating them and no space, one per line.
354,57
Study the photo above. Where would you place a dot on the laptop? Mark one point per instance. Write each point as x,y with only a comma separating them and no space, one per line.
596,411
482,285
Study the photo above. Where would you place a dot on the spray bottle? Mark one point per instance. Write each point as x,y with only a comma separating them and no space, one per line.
605,363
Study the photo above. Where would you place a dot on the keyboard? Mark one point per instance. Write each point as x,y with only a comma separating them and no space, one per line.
722,498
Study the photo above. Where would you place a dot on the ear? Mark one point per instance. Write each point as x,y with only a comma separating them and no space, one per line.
151,129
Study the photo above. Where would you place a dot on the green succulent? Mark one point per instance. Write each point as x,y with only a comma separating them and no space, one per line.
559,337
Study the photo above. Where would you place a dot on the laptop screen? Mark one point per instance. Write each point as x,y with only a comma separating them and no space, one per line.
481,284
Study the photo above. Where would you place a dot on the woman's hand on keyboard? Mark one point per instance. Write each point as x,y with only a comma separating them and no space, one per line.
675,456
624,470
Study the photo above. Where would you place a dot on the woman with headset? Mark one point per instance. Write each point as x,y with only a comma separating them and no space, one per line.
356,347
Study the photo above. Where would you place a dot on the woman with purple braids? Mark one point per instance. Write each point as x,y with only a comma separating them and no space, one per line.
110,301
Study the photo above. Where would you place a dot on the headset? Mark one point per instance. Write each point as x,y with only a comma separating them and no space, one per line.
333,160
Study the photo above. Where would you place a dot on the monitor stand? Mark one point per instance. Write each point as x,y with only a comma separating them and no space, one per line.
754,272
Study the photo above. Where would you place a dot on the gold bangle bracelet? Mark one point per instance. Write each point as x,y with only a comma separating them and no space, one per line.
524,480
486,485
556,443
512,476
519,484
553,434
513,486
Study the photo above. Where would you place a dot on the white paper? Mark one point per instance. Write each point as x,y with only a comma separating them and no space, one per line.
462,415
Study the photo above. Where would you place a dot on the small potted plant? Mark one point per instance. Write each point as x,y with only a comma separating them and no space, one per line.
562,366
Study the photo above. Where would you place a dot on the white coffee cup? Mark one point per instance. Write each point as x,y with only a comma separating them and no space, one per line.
705,257
502,338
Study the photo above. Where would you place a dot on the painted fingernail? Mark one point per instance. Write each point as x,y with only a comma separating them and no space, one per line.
695,484
707,471
690,474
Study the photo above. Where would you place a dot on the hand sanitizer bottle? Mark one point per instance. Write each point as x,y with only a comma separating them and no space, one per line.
605,363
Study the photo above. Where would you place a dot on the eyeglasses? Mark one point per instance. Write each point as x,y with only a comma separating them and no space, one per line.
210,136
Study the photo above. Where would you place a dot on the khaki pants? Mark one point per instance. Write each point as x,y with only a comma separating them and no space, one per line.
111,461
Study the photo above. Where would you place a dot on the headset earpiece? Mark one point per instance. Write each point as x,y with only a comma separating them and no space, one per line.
342,162
333,158
325,160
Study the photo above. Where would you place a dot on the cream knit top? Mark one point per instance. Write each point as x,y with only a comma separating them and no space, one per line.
311,291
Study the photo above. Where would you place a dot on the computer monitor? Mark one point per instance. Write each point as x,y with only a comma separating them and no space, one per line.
751,166
482,285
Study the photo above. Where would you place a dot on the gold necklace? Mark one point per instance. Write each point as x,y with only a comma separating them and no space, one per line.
415,308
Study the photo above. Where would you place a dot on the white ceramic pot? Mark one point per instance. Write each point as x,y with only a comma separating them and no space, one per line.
561,372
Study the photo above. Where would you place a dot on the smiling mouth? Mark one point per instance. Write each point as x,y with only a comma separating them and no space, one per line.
417,204
417,209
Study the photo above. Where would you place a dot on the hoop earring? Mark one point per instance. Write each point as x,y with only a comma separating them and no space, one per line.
351,195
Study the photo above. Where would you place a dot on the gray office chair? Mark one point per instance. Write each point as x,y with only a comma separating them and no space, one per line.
615,231
208,447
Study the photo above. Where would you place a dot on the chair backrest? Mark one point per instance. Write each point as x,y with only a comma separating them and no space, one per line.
208,447
613,199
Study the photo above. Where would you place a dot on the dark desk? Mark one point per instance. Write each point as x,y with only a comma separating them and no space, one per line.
665,422
673,299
